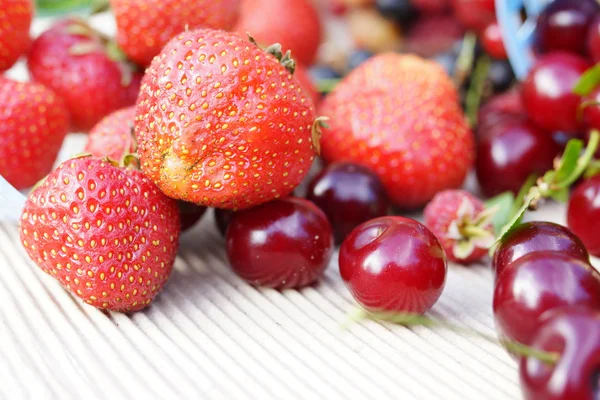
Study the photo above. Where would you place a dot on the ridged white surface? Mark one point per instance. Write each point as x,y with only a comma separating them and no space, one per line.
211,336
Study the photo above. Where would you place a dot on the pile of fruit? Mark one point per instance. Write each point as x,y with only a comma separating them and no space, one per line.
220,104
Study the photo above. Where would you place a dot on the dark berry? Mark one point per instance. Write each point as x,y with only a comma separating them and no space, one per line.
402,11
563,25
492,42
537,283
510,152
349,195
548,92
532,237
357,57
189,214
222,219
583,214
283,244
393,264
593,40
574,334
503,106
501,75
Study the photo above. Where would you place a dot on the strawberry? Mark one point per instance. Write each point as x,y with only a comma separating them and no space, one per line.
220,122
113,136
105,233
399,115
433,34
302,75
82,67
293,23
15,20
462,224
33,124
145,26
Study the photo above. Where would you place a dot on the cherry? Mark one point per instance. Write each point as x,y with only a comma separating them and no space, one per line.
535,236
283,244
222,219
583,214
508,105
591,111
593,40
511,151
393,264
563,25
539,282
189,214
574,334
492,42
475,14
349,195
548,91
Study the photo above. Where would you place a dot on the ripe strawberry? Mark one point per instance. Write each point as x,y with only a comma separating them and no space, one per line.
399,116
301,74
145,26
76,63
222,123
431,6
462,224
113,136
433,34
293,23
106,233
33,124
15,20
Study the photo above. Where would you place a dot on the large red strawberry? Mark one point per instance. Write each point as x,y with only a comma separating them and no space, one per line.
221,122
399,116
293,23
145,26
106,233
33,124
302,75
82,67
15,20
113,136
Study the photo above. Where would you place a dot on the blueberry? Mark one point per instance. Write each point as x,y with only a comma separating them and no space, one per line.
501,75
399,10
357,57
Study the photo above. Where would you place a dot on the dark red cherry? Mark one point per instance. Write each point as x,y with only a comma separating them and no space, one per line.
510,152
574,334
548,92
583,214
507,105
189,214
349,195
563,25
539,282
283,244
593,40
492,42
591,110
474,14
393,264
531,237
222,219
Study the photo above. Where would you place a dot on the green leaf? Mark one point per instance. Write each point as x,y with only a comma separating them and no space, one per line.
593,169
46,8
568,161
529,183
327,85
475,92
561,195
581,165
504,204
532,195
588,82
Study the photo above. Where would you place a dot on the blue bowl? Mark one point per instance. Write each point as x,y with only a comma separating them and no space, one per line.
518,34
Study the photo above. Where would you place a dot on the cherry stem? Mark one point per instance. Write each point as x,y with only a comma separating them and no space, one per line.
409,320
464,62
476,88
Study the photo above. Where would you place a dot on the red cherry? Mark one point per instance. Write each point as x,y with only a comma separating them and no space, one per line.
563,25
492,42
593,40
510,152
283,244
591,111
548,92
222,219
349,195
475,14
532,237
574,334
189,214
583,214
393,264
539,282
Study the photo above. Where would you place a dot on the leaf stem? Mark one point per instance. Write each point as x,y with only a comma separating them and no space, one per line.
475,92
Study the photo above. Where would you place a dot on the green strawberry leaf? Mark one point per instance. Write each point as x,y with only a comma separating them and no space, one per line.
588,82
504,204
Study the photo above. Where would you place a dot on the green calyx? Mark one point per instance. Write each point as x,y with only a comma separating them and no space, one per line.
471,230
276,51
